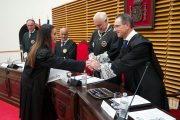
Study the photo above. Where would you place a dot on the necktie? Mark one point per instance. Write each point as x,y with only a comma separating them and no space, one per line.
30,35
63,43
125,43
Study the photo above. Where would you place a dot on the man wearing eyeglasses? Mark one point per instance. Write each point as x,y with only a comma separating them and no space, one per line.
104,44
29,37
135,53
65,48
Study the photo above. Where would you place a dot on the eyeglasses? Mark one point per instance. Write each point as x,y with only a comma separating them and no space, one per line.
116,26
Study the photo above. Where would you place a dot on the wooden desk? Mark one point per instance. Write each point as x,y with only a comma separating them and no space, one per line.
89,108
64,99
68,101
10,80
63,96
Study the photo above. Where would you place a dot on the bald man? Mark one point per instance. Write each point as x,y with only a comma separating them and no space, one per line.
104,43
65,48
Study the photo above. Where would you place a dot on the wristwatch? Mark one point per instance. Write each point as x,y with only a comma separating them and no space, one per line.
99,67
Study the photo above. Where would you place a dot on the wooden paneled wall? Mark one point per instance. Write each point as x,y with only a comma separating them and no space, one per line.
77,16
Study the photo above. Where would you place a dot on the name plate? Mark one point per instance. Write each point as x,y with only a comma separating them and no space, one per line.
56,74
110,111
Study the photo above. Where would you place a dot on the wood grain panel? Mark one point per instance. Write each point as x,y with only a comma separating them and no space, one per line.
78,17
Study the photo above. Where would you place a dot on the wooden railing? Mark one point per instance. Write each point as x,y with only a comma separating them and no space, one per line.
16,55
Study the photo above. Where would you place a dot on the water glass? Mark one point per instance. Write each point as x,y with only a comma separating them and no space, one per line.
116,95
84,80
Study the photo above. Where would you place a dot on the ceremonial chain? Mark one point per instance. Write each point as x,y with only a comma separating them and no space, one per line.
104,33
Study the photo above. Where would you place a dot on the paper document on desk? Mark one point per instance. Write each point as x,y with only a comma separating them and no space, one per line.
138,100
89,79
78,77
150,114
4,65
56,74
21,64
94,80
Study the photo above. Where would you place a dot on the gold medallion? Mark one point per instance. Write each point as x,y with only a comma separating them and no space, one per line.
32,41
104,43
64,50
93,44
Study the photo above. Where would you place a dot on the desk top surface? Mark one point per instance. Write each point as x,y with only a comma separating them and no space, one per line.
95,104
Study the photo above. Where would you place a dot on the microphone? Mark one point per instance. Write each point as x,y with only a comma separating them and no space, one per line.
13,65
75,82
147,65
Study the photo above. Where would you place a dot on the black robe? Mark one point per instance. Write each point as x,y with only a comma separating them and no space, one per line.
33,105
28,42
113,46
132,63
69,50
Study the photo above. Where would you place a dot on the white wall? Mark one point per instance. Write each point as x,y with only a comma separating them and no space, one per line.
14,13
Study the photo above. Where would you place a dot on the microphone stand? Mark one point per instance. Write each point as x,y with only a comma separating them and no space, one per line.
120,118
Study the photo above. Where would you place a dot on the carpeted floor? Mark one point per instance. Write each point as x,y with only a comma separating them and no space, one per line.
8,112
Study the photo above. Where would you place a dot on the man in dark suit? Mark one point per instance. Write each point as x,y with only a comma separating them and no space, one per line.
65,48
29,37
135,53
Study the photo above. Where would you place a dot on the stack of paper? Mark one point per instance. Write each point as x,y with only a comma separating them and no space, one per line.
89,79
150,114
137,102
4,65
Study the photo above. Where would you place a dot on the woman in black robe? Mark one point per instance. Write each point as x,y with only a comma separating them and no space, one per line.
33,105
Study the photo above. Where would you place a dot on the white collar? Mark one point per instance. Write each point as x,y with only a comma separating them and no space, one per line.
65,41
131,34
106,28
32,31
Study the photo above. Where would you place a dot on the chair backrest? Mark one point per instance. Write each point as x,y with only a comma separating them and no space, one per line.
174,103
53,44
82,53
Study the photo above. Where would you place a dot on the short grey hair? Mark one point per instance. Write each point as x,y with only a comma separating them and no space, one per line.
30,20
102,15
62,28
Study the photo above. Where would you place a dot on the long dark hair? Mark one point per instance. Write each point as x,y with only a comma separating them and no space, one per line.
43,37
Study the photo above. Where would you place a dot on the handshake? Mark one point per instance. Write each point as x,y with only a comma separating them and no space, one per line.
92,63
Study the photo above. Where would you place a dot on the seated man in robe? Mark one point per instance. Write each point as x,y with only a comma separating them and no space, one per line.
65,48
135,53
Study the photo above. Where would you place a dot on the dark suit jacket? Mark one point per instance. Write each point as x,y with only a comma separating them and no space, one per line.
28,42
132,62
71,48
